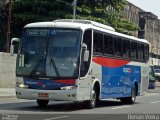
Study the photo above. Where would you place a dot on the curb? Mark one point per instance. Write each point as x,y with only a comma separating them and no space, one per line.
8,96
7,92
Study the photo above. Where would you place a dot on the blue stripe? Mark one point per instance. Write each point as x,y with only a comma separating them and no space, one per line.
118,82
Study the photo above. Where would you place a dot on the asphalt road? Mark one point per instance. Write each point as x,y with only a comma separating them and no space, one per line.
146,106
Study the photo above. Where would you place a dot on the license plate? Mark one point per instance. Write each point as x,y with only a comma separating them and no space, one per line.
42,94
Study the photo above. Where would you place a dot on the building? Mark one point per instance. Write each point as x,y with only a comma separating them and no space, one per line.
149,28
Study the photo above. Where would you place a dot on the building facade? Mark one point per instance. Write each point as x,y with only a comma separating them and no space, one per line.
149,28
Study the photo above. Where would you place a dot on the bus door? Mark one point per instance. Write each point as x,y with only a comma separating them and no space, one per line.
85,81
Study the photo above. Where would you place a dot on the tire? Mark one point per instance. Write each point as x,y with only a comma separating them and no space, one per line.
42,103
93,99
132,99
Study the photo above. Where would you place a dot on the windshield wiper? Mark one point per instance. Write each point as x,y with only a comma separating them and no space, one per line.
54,66
36,67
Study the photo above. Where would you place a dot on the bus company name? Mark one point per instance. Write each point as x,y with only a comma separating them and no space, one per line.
33,83
41,83
127,70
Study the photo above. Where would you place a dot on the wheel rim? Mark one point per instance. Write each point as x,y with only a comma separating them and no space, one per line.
93,98
134,95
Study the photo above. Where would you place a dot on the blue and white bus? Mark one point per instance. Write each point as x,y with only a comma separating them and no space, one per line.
80,60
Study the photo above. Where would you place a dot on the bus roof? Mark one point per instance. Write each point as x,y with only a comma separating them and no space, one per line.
82,24
70,23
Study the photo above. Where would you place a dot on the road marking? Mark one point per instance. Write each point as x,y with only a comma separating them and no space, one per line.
56,118
155,102
120,107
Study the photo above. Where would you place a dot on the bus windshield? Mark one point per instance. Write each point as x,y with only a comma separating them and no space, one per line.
52,53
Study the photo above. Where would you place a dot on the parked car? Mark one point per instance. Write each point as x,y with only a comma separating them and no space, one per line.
152,78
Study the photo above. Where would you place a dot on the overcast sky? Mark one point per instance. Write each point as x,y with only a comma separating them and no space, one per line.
148,5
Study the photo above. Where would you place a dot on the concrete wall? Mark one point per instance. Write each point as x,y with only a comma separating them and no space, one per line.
7,70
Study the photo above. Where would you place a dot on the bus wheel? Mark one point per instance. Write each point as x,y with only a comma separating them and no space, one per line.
93,99
42,103
132,99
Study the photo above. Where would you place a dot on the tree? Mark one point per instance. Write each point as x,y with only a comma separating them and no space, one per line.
3,28
100,12
27,11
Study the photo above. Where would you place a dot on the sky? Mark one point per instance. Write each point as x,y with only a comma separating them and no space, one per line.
148,5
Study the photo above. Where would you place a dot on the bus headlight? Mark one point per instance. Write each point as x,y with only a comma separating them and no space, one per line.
68,88
21,85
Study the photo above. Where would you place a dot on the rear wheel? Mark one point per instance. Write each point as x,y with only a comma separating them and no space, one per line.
132,99
42,103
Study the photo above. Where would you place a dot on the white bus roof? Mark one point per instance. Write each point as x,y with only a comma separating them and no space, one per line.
70,23
82,24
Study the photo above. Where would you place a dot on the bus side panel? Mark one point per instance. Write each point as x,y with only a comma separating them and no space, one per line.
116,82
119,77
144,80
136,76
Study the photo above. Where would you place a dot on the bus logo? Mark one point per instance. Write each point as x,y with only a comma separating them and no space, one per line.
127,70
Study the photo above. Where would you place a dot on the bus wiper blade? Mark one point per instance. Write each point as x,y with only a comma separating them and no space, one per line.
36,67
54,66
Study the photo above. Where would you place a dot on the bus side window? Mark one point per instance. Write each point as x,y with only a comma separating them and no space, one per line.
126,48
146,52
87,39
108,45
98,43
117,47
140,52
134,50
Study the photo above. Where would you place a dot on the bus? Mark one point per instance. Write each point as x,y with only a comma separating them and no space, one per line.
152,78
80,60
157,72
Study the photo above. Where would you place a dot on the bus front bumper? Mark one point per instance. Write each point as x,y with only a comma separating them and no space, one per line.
66,95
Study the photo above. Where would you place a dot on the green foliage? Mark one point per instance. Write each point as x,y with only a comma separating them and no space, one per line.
27,11
111,18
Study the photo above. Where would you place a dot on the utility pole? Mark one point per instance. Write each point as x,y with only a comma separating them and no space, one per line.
9,25
74,8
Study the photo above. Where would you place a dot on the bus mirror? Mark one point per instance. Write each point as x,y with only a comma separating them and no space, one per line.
14,40
12,46
11,49
84,46
86,55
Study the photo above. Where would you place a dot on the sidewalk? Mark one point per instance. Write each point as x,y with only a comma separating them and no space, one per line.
157,84
7,92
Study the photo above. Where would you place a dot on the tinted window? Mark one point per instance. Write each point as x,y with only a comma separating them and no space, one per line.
126,48
108,44
87,39
98,43
140,51
133,50
117,46
146,52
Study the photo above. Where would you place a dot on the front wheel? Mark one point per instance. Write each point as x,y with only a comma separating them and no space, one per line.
93,100
42,103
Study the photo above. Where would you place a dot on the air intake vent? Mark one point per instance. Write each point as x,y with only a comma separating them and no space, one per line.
75,21
86,22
